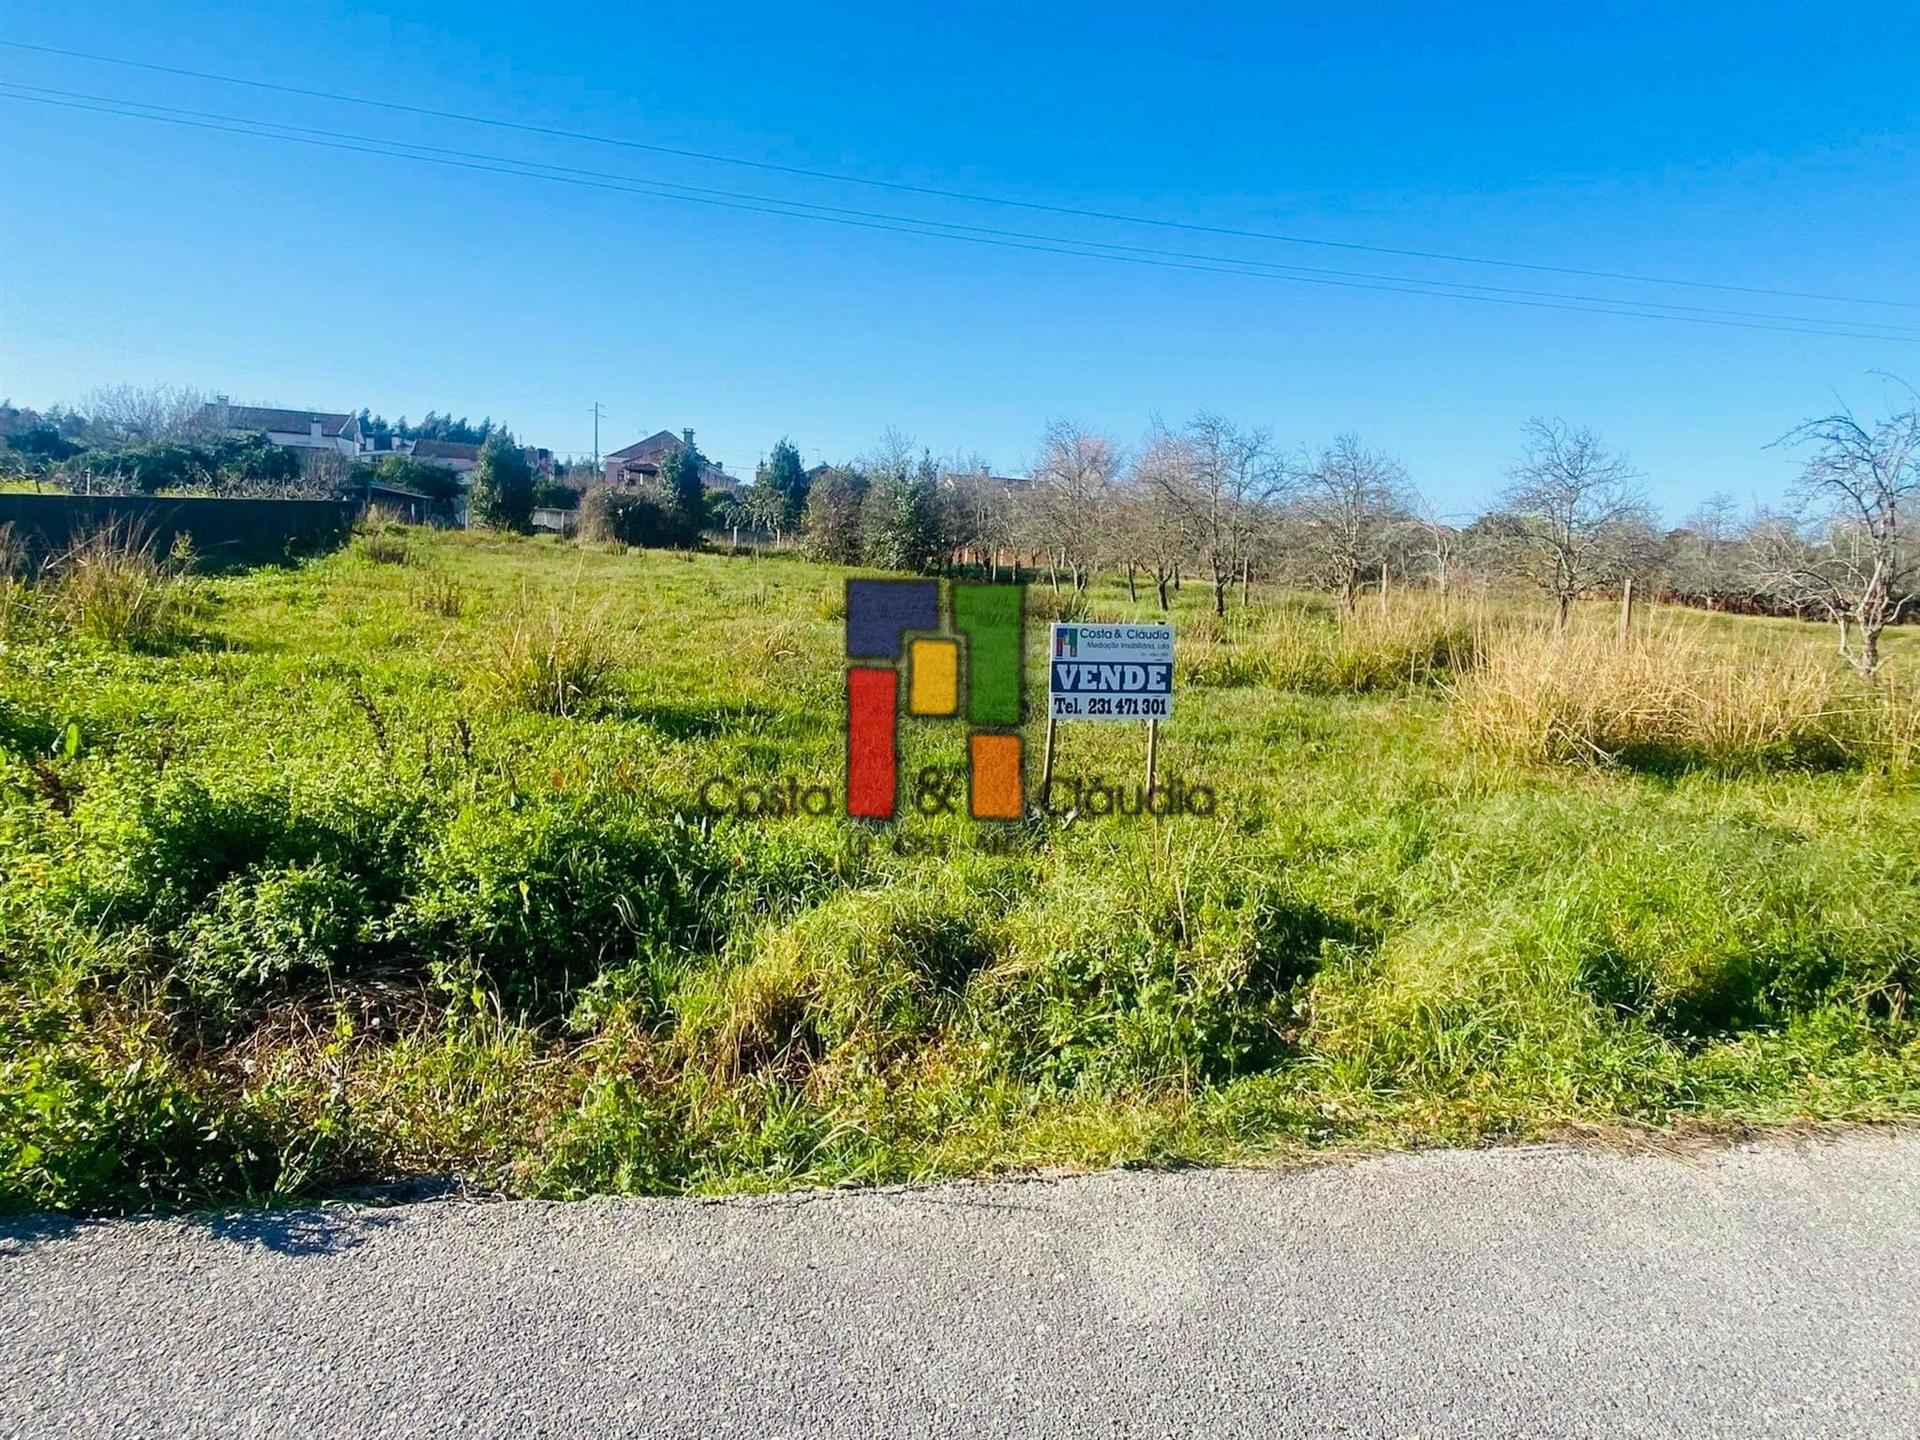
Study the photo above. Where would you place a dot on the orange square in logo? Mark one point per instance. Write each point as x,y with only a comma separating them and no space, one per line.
994,788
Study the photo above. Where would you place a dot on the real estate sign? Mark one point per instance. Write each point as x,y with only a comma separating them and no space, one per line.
1110,672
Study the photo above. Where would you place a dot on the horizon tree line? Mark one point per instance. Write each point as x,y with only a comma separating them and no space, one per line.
1210,501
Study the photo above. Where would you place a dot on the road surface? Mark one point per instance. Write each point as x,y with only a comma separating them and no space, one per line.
1771,1289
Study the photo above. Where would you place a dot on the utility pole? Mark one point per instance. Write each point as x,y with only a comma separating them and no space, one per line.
597,413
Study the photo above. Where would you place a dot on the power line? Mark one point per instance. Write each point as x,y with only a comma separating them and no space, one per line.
133,108
939,192
946,230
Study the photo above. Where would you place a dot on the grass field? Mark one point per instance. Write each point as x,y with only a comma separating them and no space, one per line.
391,865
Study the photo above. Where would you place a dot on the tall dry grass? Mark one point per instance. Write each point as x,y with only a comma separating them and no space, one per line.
15,603
554,654
1667,698
111,585
1412,641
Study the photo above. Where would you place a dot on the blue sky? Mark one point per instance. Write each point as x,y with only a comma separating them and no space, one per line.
1771,147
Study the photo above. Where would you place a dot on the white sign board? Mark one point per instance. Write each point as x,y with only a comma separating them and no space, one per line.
1110,672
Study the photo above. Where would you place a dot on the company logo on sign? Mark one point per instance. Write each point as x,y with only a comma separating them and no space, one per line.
1066,641
969,669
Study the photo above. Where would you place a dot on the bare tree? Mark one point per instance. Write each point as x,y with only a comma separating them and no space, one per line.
1223,496
1352,504
764,508
139,414
1438,543
1153,518
1072,487
979,512
1706,552
1573,503
1856,558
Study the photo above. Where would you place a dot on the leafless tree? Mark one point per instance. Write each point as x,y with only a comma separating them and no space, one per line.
1436,540
1072,486
1153,517
979,512
1707,564
1573,503
1857,557
764,508
1352,504
138,414
1223,496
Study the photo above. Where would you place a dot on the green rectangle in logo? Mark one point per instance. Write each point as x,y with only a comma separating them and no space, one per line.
989,616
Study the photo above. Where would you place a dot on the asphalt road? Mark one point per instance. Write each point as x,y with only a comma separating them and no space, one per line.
1771,1289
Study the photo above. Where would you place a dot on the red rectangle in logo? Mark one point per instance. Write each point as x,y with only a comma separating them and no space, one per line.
873,698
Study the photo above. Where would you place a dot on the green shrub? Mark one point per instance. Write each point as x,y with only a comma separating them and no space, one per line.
97,1118
269,929
383,542
623,517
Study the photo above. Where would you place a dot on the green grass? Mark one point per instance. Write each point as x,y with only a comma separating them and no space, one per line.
393,866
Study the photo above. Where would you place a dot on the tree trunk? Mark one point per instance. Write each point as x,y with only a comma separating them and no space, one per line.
1160,583
1350,590
1176,577
1246,582
1566,608
1383,590
1869,649
1133,593
1220,578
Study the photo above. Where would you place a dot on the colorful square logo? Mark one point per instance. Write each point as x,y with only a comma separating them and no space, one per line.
979,652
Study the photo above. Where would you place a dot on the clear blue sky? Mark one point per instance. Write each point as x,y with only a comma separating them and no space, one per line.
1761,146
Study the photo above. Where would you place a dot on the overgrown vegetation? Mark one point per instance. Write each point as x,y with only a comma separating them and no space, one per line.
365,885
111,587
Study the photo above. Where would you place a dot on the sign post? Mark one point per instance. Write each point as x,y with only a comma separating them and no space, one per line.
1109,672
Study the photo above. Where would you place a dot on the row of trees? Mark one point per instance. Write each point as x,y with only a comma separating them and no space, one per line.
1221,504
1208,501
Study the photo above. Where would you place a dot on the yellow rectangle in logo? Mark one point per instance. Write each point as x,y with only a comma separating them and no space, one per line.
933,677
994,787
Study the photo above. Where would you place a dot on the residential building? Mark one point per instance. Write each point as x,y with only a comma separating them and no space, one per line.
639,463
295,429
447,454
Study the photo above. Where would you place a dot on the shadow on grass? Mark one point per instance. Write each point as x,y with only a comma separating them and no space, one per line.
27,733
697,722
1674,760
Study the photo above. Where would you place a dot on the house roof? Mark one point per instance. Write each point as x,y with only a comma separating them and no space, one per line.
285,422
445,450
654,447
644,456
